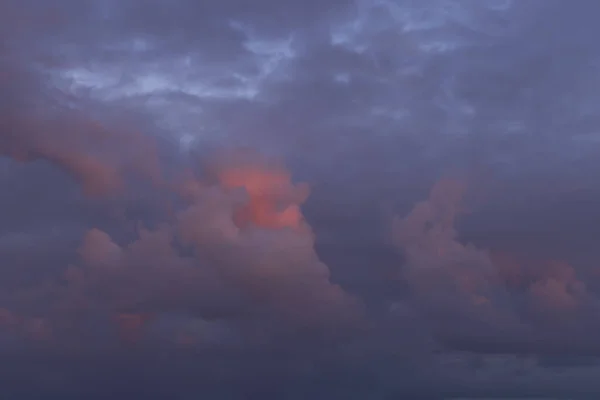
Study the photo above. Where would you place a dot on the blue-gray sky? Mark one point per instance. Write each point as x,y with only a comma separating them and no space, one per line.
283,199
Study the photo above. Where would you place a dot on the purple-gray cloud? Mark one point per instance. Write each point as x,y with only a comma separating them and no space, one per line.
412,213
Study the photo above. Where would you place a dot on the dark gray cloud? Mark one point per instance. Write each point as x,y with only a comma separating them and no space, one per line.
412,212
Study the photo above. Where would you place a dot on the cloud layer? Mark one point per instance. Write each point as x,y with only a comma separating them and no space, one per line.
290,200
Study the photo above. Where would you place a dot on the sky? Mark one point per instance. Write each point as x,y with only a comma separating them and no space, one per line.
332,199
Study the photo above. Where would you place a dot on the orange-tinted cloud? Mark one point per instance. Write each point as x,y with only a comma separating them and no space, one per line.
275,267
99,250
273,201
553,294
552,285
131,326
510,291
36,328
7,319
254,254
27,327
438,264
99,154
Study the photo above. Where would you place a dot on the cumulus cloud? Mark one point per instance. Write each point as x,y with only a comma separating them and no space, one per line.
436,261
506,301
451,281
251,258
262,243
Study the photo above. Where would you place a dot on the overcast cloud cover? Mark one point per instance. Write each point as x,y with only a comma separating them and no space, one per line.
280,199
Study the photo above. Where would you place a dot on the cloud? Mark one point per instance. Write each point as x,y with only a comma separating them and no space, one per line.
508,302
260,241
134,237
435,257
250,259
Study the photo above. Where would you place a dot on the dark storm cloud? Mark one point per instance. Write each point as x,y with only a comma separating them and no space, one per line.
122,224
